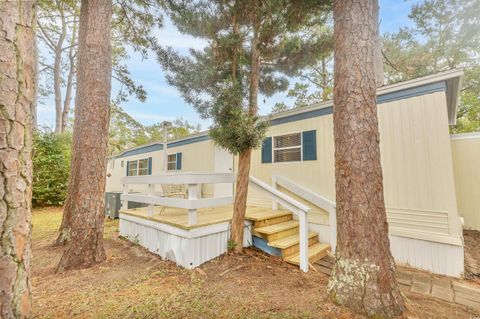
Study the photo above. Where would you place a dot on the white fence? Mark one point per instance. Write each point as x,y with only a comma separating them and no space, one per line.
295,207
192,203
312,197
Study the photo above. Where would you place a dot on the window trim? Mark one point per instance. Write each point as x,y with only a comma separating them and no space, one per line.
137,168
288,147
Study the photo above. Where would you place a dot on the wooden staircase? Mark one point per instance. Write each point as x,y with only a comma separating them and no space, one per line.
277,233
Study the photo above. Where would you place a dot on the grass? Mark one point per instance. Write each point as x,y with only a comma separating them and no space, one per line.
134,283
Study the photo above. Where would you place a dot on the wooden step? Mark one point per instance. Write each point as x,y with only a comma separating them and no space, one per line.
277,231
296,248
289,241
315,252
263,214
273,221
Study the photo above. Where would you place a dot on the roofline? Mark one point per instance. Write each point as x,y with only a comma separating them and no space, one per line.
452,80
404,85
186,138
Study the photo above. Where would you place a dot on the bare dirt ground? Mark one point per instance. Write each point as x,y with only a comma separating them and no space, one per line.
133,283
472,254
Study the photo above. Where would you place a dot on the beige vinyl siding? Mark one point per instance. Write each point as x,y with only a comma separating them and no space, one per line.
114,183
415,153
466,164
195,157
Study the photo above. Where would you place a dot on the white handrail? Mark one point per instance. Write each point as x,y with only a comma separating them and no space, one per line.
297,208
181,178
314,198
192,179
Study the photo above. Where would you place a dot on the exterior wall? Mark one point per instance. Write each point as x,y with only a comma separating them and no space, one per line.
318,175
117,169
198,157
195,157
466,164
187,248
416,160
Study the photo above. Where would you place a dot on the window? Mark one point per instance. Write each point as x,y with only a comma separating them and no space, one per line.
139,167
172,162
132,168
143,166
121,164
294,147
287,148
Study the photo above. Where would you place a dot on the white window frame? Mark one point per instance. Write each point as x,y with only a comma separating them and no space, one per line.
288,147
176,162
137,168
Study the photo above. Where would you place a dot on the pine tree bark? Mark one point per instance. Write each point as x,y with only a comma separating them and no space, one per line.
18,68
364,275
71,74
379,73
241,192
84,205
57,69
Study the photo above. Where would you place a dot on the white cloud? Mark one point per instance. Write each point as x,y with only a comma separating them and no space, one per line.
151,86
45,109
150,118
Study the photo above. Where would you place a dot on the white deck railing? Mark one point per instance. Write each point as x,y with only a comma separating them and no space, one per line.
297,208
192,203
312,197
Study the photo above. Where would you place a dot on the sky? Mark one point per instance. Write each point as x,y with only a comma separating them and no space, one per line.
165,103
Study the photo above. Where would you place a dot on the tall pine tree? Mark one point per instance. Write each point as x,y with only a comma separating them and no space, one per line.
252,45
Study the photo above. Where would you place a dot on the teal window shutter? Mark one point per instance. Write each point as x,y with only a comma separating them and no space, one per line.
267,150
128,166
309,142
149,166
179,161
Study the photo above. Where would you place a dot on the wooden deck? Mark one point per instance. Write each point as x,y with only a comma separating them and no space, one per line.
178,217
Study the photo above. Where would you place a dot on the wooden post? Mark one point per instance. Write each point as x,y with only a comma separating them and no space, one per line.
192,195
302,216
151,192
125,192
332,220
274,185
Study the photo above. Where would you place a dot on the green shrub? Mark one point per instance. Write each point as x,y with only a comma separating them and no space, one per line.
51,167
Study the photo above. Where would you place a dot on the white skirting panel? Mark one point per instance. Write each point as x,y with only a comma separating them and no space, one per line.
187,248
436,257
439,258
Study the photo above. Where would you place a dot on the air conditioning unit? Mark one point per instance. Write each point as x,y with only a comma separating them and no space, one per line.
112,204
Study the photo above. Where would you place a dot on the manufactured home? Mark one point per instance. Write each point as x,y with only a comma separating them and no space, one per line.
186,186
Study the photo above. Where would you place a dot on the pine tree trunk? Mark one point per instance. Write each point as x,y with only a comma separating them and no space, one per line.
240,203
57,71
71,73
379,73
84,205
18,68
241,192
364,275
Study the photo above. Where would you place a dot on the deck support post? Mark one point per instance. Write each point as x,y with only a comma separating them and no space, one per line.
332,221
192,195
151,192
303,240
125,192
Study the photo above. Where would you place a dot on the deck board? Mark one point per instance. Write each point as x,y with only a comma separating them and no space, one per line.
178,217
